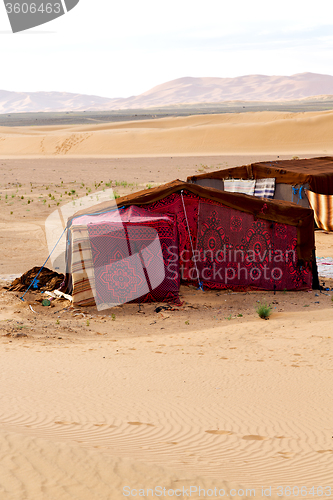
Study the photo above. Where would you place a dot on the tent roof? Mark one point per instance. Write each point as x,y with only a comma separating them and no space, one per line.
133,214
317,172
273,210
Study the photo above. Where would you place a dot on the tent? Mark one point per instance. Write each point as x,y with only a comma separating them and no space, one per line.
208,238
122,256
307,182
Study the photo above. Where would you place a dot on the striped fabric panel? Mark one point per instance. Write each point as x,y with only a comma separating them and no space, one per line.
322,205
82,267
239,186
265,188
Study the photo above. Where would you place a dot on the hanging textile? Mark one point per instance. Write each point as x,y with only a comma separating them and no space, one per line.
322,205
239,186
265,188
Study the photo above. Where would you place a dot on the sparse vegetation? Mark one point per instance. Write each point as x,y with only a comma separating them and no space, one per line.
264,310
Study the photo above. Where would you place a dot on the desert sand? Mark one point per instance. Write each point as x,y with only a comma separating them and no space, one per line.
230,133
208,395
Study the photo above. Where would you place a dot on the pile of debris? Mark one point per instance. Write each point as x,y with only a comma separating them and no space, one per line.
46,280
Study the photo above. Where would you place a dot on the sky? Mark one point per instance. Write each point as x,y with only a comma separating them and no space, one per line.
125,47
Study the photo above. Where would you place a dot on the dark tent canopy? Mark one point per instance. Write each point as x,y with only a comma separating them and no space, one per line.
316,173
307,182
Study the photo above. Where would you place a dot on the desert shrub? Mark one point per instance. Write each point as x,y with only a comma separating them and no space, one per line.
264,310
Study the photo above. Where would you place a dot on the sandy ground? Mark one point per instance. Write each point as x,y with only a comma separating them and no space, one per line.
229,133
207,395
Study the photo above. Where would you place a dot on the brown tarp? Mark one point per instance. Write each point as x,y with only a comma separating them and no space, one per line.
322,205
46,280
273,210
316,172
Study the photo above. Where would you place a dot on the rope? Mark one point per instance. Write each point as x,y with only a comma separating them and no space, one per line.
34,282
296,191
189,233
300,193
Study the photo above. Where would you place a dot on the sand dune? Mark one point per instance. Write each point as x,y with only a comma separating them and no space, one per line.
49,469
203,406
261,132
180,91
28,102
244,88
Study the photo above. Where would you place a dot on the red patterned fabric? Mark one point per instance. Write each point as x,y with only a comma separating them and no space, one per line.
263,253
232,250
131,257
235,250
172,205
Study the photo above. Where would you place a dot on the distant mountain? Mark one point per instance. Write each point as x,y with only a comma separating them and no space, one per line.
186,90
28,102
242,88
